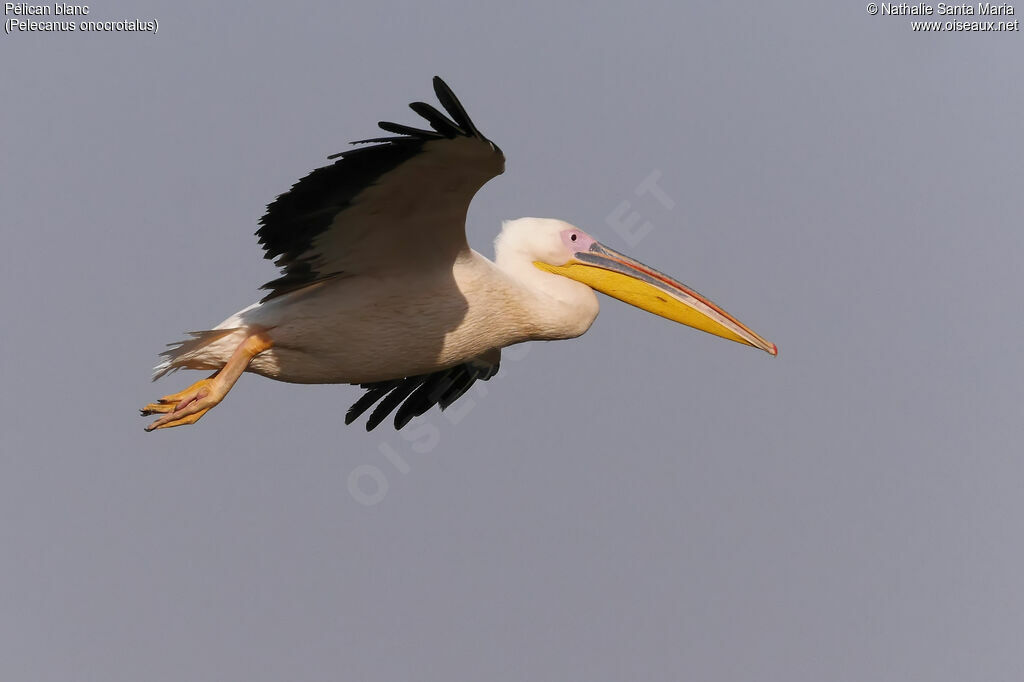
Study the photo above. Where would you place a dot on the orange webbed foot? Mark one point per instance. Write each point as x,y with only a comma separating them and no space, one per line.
185,407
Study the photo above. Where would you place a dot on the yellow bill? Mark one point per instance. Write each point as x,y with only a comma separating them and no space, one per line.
621,277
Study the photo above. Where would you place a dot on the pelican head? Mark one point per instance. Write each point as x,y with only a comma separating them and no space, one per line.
562,249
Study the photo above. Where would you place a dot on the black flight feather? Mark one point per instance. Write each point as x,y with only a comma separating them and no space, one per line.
294,219
454,107
393,400
417,394
437,120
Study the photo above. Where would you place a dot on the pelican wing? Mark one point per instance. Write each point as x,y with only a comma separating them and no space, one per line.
397,203
412,396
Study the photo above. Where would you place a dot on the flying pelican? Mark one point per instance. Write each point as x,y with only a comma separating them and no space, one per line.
379,287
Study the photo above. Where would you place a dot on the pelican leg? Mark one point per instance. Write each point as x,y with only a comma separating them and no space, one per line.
188,406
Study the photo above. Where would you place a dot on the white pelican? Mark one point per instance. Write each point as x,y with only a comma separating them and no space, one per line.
379,287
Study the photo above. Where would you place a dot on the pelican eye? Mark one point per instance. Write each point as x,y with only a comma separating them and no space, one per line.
572,237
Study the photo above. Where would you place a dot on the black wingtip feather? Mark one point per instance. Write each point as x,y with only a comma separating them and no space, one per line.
367,401
423,398
293,221
413,396
393,400
438,121
454,107
459,386
399,129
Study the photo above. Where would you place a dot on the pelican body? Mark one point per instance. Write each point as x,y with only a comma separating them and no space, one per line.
380,288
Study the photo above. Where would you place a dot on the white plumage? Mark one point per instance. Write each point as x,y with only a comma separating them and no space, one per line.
380,287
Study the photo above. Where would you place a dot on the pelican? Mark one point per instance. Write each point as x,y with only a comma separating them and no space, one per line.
380,288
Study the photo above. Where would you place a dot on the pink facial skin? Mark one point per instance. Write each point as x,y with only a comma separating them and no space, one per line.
577,240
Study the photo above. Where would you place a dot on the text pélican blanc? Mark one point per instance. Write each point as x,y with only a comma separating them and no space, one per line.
32,24
56,10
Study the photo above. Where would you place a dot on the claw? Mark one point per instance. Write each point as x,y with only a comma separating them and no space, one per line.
185,407
168,421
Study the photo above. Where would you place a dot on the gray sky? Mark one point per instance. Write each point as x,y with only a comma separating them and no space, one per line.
646,502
